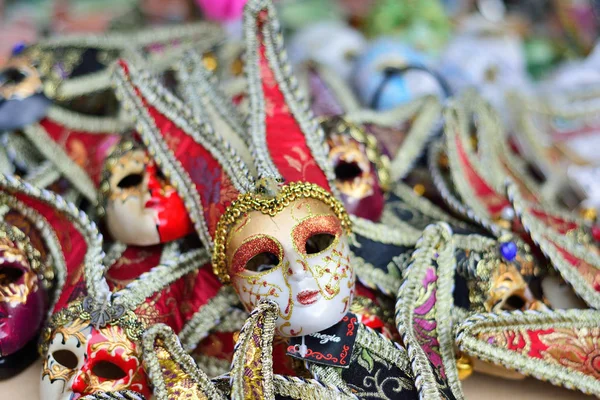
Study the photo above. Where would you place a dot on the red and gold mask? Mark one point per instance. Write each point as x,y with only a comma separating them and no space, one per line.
141,206
82,360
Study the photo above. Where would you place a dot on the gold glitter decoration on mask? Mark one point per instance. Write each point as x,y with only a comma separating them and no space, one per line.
16,247
248,202
339,125
124,147
16,294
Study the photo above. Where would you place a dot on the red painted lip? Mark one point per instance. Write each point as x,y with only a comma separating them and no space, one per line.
307,297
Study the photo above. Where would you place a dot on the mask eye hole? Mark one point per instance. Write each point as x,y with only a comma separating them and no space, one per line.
514,302
10,275
12,76
108,370
131,180
347,171
66,358
262,262
319,242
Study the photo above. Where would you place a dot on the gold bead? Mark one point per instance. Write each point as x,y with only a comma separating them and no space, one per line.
589,214
210,61
464,364
443,161
504,224
474,141
236,336
419,189
237,67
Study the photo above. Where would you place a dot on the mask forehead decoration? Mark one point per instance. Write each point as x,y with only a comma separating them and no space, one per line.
292,188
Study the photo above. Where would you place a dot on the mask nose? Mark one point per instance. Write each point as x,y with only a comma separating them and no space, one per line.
297,271
79,384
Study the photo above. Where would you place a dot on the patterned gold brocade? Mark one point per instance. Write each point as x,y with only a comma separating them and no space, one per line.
180,386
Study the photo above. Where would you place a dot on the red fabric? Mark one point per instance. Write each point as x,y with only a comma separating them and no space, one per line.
286,142
87,150
566,135
211,182
516,342
203,286
135,261
587,271
494,202
557,223
73,247
175,304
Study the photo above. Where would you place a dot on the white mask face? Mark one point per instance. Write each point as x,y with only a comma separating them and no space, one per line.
298,258
142,207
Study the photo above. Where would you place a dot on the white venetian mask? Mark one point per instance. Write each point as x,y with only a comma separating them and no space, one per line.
298,258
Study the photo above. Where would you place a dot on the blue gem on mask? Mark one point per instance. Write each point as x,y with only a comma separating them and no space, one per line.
18,48
508,251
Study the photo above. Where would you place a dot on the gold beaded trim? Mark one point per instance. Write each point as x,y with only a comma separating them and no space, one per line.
248,202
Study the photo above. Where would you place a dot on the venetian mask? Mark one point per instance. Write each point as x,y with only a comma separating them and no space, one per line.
23,298
509,291
356,176
141,206
82,360
21,99
298,258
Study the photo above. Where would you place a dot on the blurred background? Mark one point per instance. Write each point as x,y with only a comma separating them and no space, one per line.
550,31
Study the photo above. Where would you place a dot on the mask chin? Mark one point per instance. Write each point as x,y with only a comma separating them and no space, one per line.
17,113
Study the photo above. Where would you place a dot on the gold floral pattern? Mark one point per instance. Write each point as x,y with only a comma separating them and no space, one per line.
577,349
